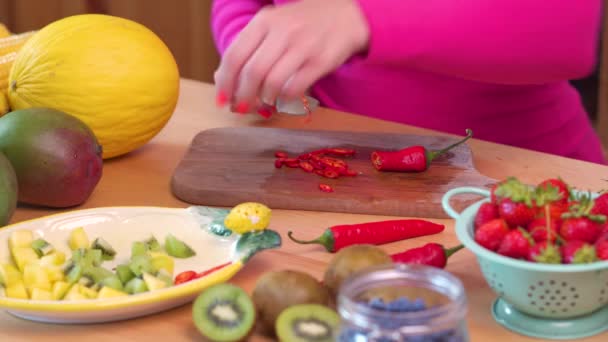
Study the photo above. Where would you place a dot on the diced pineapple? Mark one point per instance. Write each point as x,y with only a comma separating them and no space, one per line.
74,293
55,273
78,239
108,292
40,294
24,256
59,290
9,274
2,292
17,291
20,238
88,292
153,283
34,276
56,258
163,262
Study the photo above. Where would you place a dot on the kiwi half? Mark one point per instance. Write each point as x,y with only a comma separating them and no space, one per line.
224,313
307,323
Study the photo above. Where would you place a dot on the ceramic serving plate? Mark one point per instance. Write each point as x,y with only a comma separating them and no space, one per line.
200,227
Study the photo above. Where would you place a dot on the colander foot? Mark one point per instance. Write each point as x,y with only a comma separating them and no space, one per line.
554,329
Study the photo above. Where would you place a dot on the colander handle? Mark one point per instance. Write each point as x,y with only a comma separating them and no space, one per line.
445,201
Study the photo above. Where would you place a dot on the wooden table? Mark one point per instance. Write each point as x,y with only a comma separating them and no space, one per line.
142,178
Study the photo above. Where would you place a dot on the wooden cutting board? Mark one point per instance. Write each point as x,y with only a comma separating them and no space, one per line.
227,166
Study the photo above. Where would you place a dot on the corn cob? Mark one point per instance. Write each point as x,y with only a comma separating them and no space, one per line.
6,62
15,42
4,32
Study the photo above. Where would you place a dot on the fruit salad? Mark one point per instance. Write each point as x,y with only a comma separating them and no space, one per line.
40,271
547,223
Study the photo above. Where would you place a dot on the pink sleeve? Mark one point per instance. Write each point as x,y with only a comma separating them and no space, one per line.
499,41
229,17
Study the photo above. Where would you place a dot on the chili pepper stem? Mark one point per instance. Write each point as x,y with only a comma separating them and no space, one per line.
450,251
434,154
326,240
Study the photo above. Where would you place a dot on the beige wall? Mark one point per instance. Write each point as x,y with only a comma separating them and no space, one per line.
182,24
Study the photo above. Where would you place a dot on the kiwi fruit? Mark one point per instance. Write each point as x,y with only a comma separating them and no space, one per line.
350,260
276,290
224,313
307,323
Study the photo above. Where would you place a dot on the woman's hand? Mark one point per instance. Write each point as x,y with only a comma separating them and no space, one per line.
286,48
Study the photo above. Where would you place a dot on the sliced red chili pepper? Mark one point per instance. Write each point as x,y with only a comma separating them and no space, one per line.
213,269
376,233
329,173
304,156
292,162
351,173
281,154
333,163
278,163
306,166
317,165
184,277
340,151
319,172
326,188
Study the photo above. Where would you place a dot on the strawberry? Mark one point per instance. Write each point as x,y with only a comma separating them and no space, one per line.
538,229
601,248
601,205
515,202
545,253
487,212
578,252
580,228
515,214
516,244
557,185
491,233
579,224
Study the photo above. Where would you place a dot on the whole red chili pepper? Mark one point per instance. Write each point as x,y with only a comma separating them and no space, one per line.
213,269
376,233
410,159
431,254
184,277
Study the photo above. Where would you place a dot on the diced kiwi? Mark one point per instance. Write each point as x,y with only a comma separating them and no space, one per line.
124,273
86,281
78,239
224,312
112,282
42,247
177,248
141,264
96,273
138,248
152,244
107,251
307,322
136,285
73,272
93,257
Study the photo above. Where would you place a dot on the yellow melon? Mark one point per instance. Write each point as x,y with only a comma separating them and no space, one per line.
114,74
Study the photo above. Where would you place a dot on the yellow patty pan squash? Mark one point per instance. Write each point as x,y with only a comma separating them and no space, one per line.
114,74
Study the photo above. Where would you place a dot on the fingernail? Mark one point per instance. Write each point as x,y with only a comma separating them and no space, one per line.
265,113
242,107
221,99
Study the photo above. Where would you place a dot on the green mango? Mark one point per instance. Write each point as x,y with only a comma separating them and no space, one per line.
56,156
8,190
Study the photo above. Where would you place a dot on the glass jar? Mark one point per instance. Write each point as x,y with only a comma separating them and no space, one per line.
435,309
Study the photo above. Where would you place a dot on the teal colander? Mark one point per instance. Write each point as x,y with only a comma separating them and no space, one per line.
539,300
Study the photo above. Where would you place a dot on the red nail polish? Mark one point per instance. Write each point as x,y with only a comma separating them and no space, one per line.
265,113
221,99
242,108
